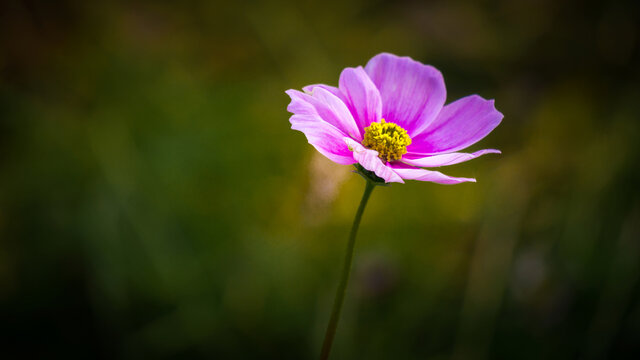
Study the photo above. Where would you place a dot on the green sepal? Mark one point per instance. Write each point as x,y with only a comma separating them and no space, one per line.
370,176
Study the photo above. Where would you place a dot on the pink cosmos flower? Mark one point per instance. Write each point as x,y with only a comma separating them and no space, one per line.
390,118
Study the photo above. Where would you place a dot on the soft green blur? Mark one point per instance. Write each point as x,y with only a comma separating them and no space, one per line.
155,204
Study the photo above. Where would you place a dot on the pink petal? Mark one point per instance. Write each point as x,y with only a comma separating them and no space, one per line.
459,125
445,159
327,106
332,89
412,93
363,98
412,173
324,137
369,160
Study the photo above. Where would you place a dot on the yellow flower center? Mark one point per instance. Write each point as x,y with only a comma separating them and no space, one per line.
388,139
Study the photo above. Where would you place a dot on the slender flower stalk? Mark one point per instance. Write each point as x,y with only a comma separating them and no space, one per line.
346,269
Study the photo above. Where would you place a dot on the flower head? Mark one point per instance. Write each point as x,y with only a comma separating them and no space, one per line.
389,117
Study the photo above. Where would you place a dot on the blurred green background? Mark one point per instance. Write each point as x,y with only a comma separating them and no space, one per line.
155,204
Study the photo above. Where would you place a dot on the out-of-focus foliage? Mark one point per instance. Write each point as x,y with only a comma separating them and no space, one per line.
155,204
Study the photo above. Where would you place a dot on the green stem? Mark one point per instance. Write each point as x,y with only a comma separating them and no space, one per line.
346,269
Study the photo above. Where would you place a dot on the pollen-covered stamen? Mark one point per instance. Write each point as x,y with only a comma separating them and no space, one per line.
388,139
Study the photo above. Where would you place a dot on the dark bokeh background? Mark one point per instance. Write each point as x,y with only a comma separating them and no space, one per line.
155,204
